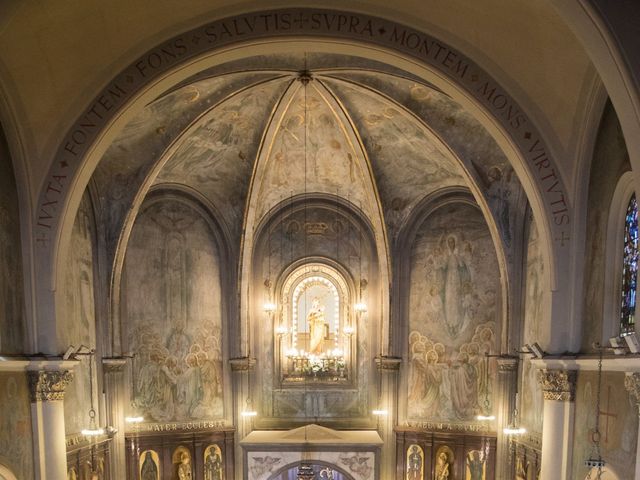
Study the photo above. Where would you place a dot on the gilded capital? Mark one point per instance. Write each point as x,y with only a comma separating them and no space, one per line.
558,384
632,384
48,385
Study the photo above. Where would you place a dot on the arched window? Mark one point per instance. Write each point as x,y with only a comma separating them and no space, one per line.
629,269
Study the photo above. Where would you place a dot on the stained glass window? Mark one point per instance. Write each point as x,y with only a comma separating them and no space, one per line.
629,269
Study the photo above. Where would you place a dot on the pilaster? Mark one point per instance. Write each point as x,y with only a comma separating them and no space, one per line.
507,383
388,368
115,396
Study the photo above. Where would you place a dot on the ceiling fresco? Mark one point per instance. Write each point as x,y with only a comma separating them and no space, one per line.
375,135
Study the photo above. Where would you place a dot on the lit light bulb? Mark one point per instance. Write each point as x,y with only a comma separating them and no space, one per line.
92,432
281,329
486,418
134,419
349,330
514,430
379,412
269,307
360,307
249,413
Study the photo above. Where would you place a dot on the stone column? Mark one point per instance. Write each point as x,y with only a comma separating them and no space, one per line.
388,368
115,396
47,389
240,369
632,384
505,405
558,387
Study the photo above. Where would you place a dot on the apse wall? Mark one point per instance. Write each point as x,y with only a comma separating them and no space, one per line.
453,316
172,313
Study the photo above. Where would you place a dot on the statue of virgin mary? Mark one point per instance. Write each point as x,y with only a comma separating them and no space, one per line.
315,320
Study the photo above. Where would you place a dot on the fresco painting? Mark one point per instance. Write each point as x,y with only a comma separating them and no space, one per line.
453,316
618,424
534,270
80,320
173,263
16,446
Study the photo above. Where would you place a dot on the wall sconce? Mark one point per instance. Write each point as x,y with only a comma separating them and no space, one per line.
349,330
269,307
380,412
281,330
486,418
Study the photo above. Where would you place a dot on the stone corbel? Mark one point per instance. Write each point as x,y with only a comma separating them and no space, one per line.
242,364
388,364
48,385
558,385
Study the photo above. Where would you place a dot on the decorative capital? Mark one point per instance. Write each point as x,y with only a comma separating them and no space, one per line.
632,384
558,384
242,364
507,364
114,364
48,385
388,364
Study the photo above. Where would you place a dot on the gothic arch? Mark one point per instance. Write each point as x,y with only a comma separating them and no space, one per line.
398,45
613,256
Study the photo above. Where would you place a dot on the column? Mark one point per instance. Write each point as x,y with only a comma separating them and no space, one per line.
388,368
632,384
115,396
558,387
506,403
47,389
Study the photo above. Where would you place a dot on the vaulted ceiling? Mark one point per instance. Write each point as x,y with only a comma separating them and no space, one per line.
244,137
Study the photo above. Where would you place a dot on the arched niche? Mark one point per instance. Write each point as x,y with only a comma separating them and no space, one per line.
316,325
450,307
177,261
322,240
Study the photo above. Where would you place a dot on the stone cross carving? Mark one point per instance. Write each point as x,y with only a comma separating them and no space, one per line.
558,384
48,385
632,384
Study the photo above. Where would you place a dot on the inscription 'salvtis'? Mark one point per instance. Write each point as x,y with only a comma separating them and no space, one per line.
298,22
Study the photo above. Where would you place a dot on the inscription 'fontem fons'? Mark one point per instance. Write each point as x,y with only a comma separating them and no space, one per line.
298,22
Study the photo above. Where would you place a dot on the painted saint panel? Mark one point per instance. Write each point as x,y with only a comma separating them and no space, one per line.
415,463
213,463
171,302
444,464
16,447
79,323
532,400
453,316
475,465
181,460
149,465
